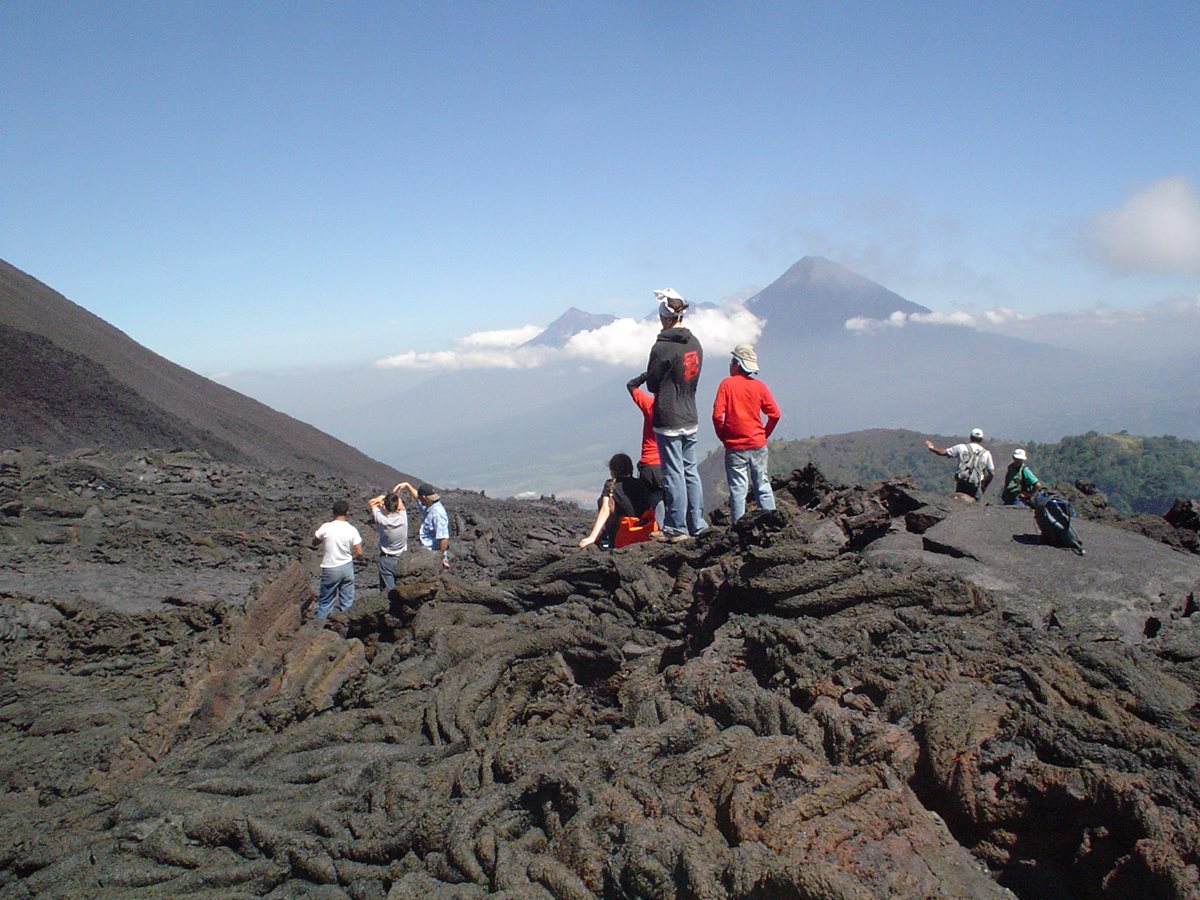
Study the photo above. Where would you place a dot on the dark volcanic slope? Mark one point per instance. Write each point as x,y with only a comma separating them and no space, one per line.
868,693
202,413
54,399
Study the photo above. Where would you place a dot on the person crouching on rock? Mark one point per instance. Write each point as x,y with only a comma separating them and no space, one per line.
625,510
340,542
975,466
1019,480
435,521
390,522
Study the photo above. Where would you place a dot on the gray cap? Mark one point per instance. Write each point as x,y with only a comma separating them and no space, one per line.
747,358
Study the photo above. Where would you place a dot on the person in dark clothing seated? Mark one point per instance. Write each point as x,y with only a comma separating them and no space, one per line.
625,510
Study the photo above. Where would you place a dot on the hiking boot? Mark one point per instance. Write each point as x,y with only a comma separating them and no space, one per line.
680,538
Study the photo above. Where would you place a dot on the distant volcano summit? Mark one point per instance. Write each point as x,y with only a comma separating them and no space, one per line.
570,323
818,295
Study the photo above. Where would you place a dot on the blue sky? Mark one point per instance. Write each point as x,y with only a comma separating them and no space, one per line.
261,186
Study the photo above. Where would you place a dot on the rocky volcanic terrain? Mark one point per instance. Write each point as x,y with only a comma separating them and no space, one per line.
870,692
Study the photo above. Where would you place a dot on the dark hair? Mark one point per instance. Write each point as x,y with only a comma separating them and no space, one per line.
621,466
391,502
341,508
426,490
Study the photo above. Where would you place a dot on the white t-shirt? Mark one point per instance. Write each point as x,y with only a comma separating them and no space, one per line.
961,451
339,538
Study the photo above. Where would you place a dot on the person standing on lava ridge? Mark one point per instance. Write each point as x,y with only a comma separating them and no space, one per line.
672,373
741,403
340,543
975,466
649,465
390,521
435,521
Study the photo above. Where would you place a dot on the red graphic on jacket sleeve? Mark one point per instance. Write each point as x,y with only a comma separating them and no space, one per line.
691,365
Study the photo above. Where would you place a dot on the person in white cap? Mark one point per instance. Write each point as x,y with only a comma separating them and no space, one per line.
672,373
975,466
741,403
1018,480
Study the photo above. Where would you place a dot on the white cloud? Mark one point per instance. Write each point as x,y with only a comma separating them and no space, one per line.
958,318
720,330
500,358
503,337
1002,315
1156,229
498,349
623,342
1155,332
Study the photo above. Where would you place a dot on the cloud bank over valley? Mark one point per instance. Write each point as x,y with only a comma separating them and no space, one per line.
623,342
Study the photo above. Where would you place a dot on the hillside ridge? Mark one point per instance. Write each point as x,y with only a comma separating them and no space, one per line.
195,410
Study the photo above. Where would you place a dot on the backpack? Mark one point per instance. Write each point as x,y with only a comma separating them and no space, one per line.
1053,516
970,467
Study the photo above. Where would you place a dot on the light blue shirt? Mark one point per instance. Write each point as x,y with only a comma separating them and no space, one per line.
435,524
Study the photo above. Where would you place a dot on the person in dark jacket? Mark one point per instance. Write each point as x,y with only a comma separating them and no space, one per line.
672,373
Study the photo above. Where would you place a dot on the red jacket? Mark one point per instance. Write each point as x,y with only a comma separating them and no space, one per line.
738,410
645,403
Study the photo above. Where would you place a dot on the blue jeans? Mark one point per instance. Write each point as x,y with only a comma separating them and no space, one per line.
683,495
748,469
387,571
338,582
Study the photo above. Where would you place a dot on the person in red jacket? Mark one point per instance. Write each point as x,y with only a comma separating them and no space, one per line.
650,464
742,401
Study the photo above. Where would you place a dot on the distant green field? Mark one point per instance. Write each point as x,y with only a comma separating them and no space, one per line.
1139,474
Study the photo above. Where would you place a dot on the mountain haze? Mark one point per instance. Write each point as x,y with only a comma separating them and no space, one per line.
72,380
550,429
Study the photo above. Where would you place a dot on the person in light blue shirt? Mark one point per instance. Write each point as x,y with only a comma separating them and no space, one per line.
435,521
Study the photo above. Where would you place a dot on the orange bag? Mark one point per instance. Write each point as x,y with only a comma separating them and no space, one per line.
634,530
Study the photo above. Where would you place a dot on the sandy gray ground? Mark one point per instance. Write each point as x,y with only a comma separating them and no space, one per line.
1125,584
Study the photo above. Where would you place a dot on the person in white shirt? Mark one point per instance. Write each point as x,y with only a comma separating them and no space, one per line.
975,465
340,543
